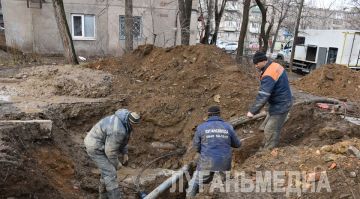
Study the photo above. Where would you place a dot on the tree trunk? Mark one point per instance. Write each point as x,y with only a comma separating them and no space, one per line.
185,7
243,30
275,36
214,37
176,26
129,23
152,22
69,50
210,8
285,6
296,34
267,33
218,16
263,11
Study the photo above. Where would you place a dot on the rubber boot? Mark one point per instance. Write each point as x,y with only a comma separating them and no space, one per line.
102,191
114,194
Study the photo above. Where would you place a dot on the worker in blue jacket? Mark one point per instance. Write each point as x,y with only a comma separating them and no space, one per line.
275,90
105,142
213,140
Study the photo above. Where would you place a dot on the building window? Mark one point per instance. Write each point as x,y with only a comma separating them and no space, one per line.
83,27
136,27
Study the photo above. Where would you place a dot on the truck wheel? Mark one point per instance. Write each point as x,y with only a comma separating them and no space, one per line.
279,58
312,67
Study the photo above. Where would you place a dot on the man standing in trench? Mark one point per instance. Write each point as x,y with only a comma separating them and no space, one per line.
275,90
105,141
213,140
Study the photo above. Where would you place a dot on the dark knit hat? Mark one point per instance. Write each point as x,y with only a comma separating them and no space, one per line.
259,57
214,110
134,117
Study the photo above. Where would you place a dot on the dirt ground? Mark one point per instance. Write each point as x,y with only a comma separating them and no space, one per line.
172,89
47,81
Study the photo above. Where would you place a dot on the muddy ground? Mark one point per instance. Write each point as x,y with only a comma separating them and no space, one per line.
171,88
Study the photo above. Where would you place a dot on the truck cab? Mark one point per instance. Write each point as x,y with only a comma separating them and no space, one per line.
285,53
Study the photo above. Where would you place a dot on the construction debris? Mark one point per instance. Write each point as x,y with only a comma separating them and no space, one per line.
352,174
353,150
162,145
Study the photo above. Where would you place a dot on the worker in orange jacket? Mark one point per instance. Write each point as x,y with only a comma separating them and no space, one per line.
275,90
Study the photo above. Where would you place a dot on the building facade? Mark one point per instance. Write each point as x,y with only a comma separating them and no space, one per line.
97,26
230,24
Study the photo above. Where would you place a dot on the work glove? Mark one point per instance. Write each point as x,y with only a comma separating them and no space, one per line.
125,159
249,114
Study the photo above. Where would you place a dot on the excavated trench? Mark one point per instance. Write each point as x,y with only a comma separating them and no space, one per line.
172,88
42,154
38,163
51,162
41,136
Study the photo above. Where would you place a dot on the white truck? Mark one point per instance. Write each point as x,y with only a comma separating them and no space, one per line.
316,47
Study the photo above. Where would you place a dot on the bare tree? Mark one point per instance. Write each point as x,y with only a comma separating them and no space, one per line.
264,37
153,22
185,7
283,13
268,30
129,23
210,7
69,50
353,15
176,27
315,17
243,30
356,4
218,16
296,34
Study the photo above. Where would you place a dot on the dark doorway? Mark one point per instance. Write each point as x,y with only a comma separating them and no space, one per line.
332,55
311,53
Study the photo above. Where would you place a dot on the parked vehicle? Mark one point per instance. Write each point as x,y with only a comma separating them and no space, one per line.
231,47
254,46
285,53
316,47
221,44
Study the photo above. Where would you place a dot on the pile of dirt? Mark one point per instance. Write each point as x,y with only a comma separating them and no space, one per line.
341,168
172,89
332,80
47,81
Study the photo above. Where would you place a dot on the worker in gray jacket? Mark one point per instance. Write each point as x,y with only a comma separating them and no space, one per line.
105,141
